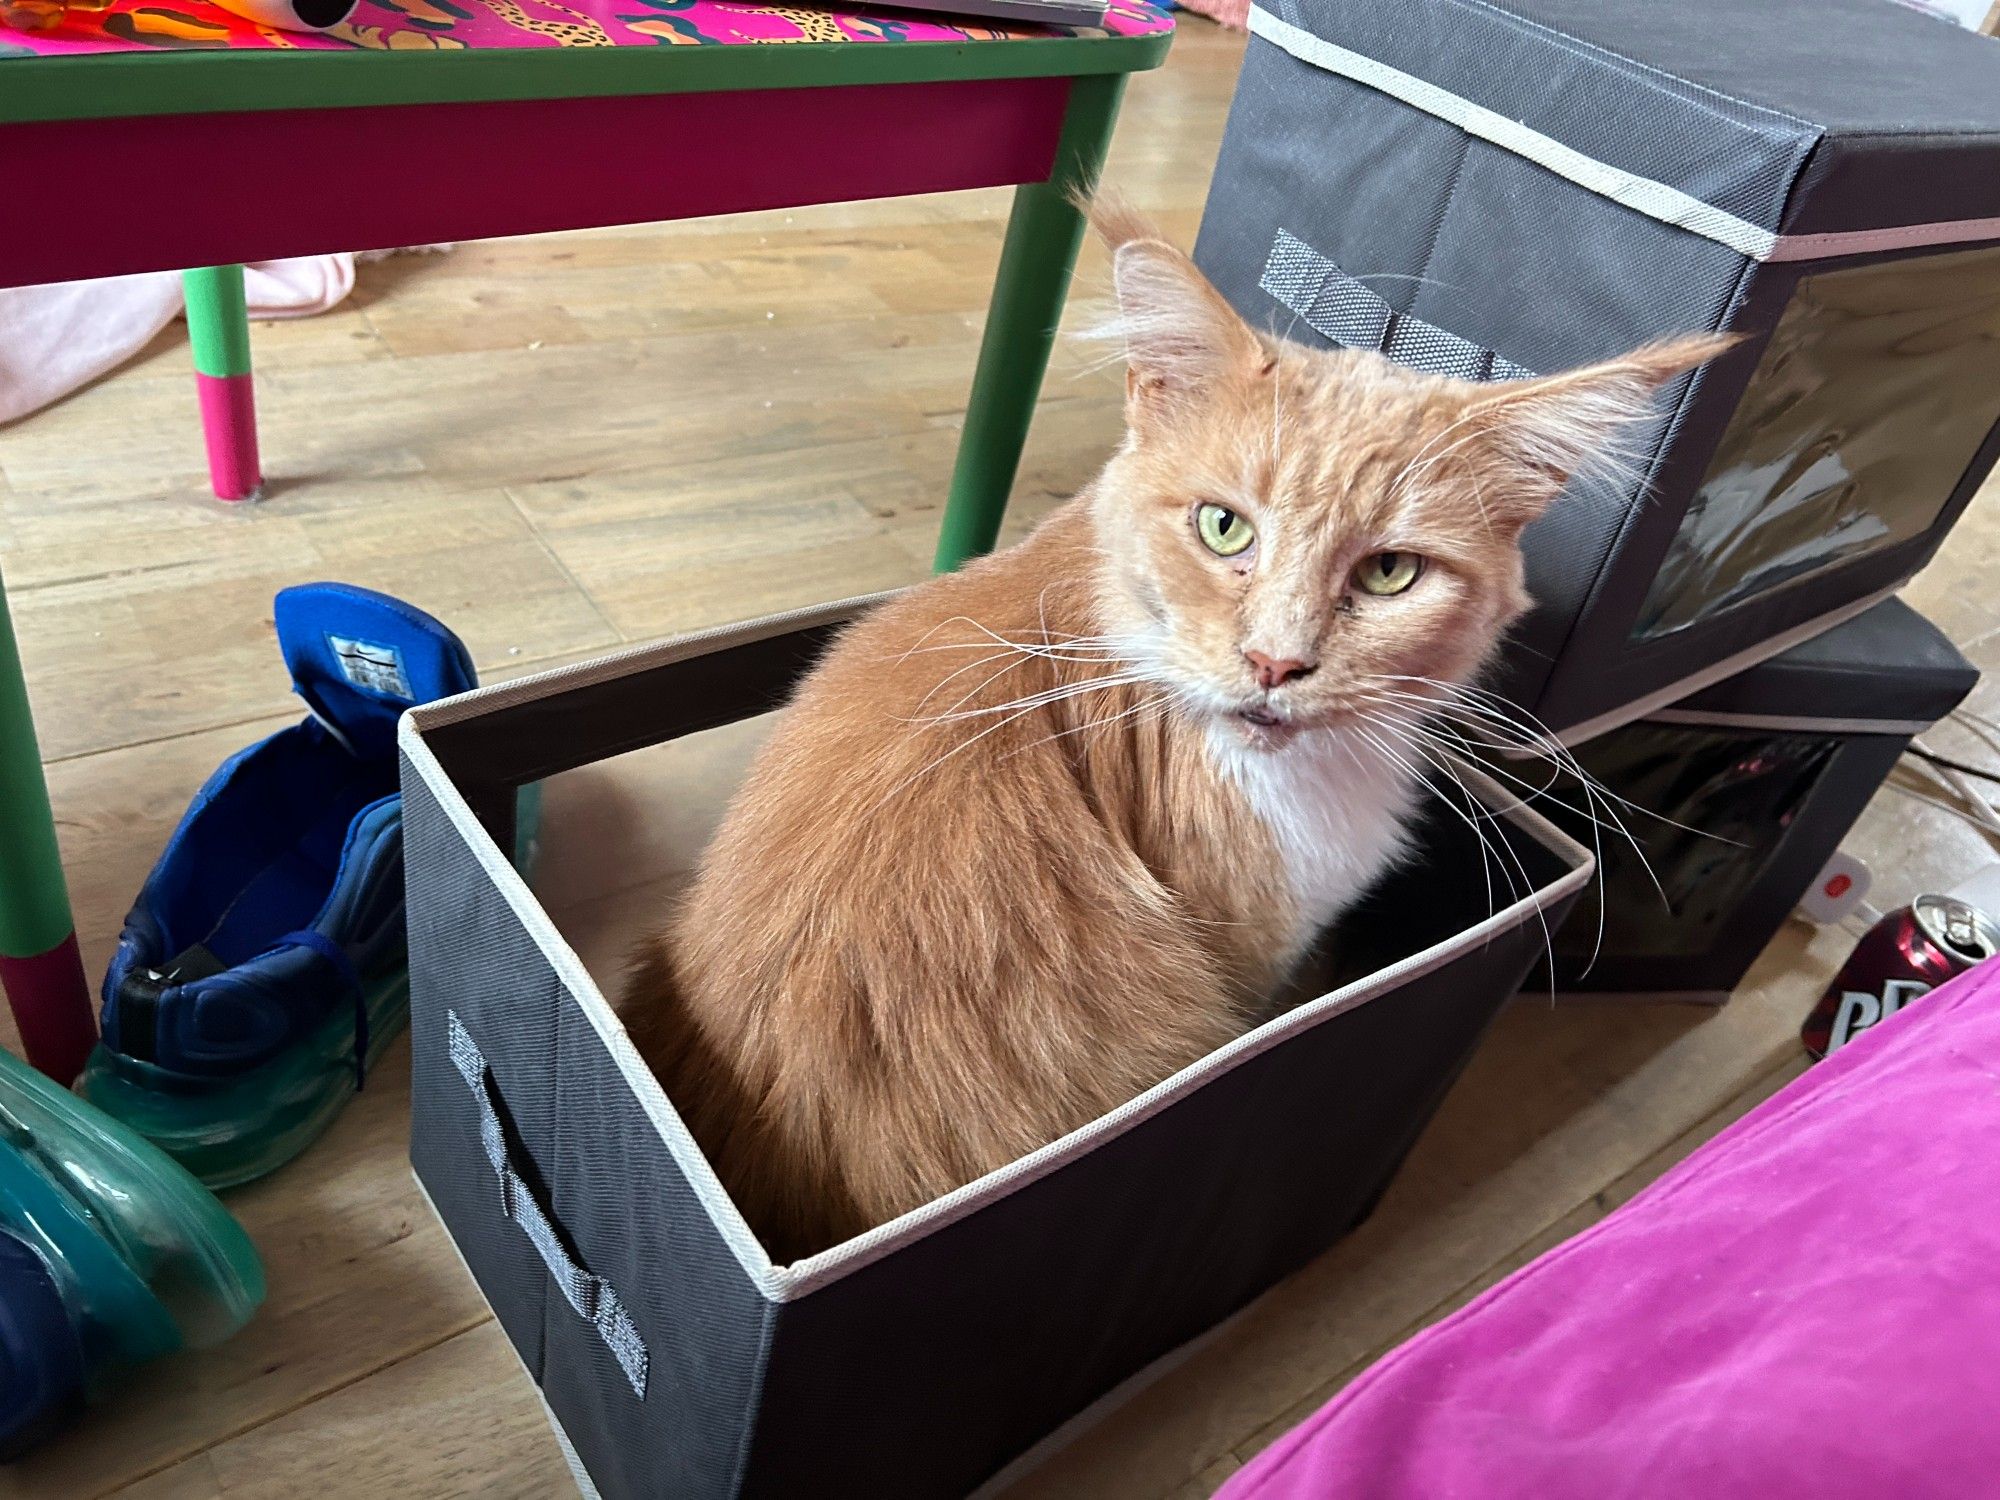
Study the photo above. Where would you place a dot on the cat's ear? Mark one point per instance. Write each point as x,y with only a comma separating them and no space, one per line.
1543,430
1181,338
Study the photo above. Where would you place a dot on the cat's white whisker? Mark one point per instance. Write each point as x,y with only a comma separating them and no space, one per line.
1495,718
1500,713
970,693
1022,710
1485,855
1073,643
925,637
1597,824
1277,425
1034,700
1157,704
1080,650
1419,458
1021,651
1459,717
1454,746
1532,896
1436,729
1417,738
1414,471
932,765
972,666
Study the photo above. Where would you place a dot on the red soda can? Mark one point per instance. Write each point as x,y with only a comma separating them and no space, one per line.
1908,953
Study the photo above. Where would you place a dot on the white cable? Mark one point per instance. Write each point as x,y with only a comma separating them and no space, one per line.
1969,819
1968,716
1982,809
1956,781
1984,730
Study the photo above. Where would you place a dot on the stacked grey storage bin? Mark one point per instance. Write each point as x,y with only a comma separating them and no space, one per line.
1488,188
676,1359
1736,799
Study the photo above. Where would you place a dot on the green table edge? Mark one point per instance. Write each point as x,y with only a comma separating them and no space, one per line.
114,85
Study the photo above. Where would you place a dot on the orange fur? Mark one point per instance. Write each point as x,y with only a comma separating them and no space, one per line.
1004,863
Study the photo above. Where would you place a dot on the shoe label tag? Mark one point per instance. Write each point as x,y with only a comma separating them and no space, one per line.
378,669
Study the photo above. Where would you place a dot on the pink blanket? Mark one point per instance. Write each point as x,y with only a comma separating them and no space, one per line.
1807,1308
54,339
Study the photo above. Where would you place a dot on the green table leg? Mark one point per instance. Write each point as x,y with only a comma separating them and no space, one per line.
219,327
40,967
1043,235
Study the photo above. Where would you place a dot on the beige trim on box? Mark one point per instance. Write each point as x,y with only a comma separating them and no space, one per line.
1788,723
539,685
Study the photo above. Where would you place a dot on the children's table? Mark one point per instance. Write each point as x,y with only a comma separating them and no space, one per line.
165,134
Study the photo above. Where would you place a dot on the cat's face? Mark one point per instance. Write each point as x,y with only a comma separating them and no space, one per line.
1293,538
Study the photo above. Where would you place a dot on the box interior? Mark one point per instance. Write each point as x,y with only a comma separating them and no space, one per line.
620,838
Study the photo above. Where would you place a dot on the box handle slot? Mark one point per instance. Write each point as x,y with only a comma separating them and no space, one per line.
1340,308
591,1296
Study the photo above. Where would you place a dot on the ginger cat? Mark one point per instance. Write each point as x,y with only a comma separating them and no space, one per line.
1038,834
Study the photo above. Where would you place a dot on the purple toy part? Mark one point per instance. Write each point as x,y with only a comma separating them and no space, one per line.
1806,1308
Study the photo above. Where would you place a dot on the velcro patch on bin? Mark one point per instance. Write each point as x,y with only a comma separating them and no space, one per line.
590,1296
1338,307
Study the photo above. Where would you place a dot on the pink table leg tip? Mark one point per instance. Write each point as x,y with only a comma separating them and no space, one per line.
51,1003
229,425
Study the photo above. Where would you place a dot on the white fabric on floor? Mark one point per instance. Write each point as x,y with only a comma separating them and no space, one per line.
56,338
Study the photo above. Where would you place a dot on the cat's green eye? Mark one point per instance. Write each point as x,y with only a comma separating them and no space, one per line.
1223,531
1388,572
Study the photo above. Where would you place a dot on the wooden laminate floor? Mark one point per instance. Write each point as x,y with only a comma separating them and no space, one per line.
564,443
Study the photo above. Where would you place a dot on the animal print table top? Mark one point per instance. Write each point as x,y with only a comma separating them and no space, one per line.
442,25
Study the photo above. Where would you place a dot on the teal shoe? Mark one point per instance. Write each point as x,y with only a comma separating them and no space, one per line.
110,1255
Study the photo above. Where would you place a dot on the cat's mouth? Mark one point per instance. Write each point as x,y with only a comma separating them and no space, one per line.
1264,728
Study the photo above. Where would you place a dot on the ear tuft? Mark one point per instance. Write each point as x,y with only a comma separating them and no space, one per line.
1555,426
1179,334
1113,217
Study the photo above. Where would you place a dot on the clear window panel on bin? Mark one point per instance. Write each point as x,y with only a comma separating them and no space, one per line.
1710,810
1869,405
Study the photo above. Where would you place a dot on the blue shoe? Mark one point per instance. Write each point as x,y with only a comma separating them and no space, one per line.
41,1353
264,967
110,1255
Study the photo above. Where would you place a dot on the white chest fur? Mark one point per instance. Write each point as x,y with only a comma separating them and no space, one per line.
1337,810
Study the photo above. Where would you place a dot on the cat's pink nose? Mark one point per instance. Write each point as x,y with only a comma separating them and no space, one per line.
1274,670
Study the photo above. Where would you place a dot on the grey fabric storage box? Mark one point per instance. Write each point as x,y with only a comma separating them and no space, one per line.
920,1358
1773,765
1488,189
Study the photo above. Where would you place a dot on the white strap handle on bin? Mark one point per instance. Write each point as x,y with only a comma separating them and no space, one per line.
591,1296
1342,309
